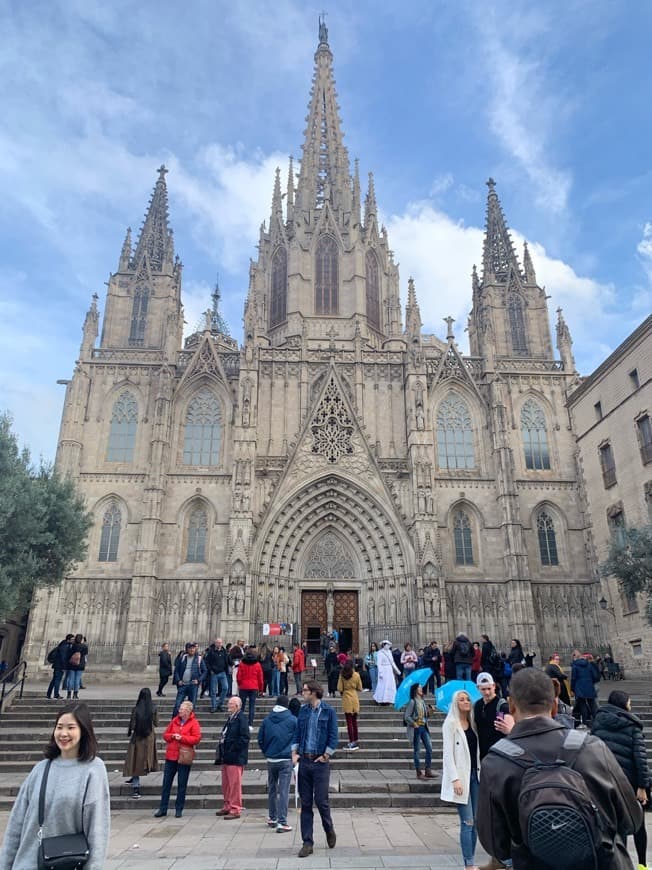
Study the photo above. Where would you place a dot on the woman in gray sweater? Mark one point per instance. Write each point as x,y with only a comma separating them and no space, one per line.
76,796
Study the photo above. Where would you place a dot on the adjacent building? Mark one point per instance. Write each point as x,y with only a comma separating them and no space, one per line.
611,414
339,467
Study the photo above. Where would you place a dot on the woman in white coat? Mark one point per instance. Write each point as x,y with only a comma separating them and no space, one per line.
461,769
386,686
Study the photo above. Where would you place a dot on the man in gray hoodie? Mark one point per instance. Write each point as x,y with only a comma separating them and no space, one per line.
276,735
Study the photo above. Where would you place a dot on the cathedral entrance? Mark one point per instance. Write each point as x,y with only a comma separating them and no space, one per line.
316,608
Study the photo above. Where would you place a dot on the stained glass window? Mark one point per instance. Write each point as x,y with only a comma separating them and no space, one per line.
203,430
110,537
517,325
278,307
535,438
547,539
463,539
372,289
326,276
122,434
197,532
454,433
139,317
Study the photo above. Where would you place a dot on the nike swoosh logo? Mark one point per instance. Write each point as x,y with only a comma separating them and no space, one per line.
554,827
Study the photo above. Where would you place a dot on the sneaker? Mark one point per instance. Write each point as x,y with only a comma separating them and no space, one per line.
282,829
135,794
272,823
331,839
251,729
354,747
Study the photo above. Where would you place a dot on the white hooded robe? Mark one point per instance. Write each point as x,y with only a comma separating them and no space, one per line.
386,688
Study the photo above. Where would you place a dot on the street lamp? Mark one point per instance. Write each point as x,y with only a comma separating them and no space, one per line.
604,605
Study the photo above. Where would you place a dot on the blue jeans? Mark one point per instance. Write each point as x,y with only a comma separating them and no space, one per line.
313,785
373,676
276,682
421,735
463,671
467,813
187,692
74,681
252,694
169,771
55,683
279,774
221,681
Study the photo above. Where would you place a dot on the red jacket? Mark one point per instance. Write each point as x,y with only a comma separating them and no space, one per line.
298,661
190,735
477,660
250,675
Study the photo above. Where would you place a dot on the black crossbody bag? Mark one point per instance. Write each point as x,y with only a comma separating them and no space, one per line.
66,852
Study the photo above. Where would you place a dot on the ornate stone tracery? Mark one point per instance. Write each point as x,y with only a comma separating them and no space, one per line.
328,558
332,426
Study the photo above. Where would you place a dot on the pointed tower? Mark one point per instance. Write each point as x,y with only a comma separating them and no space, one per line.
143,305
565,343
320,262
510,310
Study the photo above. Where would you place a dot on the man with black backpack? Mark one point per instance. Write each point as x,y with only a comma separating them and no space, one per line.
463,657
550,796
58,658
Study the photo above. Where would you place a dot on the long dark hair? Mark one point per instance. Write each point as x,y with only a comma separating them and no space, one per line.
347,670
144,714
88,747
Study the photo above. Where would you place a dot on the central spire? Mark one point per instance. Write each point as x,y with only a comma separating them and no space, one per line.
325,171
499,254
155,236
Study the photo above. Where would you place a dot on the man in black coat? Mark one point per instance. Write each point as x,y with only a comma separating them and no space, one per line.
164,668
59,659
235,755
217,662
432,660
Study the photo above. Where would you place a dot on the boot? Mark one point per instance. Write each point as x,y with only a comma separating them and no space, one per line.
429,774
419,773
494,864
75,696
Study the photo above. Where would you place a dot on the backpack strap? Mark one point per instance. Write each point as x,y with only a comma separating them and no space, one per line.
572,746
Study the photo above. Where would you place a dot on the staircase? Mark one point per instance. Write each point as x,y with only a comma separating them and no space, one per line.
380,774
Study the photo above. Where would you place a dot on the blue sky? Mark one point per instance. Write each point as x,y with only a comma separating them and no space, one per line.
553,102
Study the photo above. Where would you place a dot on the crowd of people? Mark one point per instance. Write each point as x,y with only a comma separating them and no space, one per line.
527,720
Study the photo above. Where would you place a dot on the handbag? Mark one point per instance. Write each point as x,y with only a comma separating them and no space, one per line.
67,851
219,753
186,755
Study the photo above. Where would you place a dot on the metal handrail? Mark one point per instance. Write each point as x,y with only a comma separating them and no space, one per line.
7,678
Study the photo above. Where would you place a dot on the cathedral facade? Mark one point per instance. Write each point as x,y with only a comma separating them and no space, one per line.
337,469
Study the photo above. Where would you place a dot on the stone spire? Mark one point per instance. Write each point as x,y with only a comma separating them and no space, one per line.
125,253
277,199
356,193
325,175
90,330
370,205
218,323
155,239
528,268
290,195
498,252
565,343
412,314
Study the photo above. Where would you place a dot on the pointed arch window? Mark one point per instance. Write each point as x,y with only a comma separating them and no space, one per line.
454,433
326,276
139,317
372,289
279,288
110,536
463,538
197,534
535,437
517,325
547,539
122,434
203,430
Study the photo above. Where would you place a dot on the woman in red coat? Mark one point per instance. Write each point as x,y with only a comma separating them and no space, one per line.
476,664
183,730
251,682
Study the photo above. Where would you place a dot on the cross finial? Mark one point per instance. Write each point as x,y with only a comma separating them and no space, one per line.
162,171
449,322
323,30
491,184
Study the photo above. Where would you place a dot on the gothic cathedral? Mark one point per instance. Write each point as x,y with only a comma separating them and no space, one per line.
339,468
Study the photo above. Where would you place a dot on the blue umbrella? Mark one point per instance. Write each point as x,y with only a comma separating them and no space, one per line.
403,692
444,695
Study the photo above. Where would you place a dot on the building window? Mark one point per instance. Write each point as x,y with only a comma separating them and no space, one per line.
139,317
637,648
598,410
535,438
279,289
203,430
517,325
547,539
463,539
608,465
616,520
454,433
197,533
644,428
110,538
629,602
326,276
122,434
633,378
372,289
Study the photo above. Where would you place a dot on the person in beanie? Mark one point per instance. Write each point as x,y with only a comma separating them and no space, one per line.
276,735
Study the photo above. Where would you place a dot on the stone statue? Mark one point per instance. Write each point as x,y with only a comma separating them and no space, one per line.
371,611
239,601
381,612
330,607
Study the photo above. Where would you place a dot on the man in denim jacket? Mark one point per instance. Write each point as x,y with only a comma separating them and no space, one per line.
316,742
189,672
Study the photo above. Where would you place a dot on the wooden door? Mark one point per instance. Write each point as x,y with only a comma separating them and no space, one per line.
314,617
345,619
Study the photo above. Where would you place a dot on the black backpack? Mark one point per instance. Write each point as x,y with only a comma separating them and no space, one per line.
53,654
464,647
561,826
494,658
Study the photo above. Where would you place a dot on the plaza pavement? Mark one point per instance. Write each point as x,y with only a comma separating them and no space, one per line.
413,840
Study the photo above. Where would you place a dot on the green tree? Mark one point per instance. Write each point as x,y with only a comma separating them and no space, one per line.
630,561
43,525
